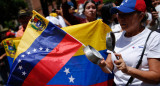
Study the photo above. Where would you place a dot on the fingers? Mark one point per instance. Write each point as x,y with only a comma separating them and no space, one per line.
155,3
154,15
118,56
120,64
120,59
120,67
117,62
102,63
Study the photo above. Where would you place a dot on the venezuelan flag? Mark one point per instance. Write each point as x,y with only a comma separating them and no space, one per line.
43,50
10,46
79,71
46,57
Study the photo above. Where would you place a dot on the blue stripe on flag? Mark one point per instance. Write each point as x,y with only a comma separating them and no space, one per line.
82,70
10,61
26,61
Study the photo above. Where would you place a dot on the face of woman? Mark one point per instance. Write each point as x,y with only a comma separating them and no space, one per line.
90,11
129,21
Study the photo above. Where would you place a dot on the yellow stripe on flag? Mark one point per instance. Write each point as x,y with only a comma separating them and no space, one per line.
31,32
92,33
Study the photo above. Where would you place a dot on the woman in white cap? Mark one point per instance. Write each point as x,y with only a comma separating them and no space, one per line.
132,67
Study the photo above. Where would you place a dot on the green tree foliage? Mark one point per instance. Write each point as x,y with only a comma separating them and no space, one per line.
9,9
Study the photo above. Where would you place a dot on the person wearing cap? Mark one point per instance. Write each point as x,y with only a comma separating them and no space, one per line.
129,47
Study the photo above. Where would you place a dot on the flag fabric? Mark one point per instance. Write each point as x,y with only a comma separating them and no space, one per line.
42,52
79,71
10,46
45,58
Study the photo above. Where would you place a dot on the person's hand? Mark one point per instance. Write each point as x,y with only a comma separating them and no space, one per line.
155,3
154,15
2,56
102,63
120,64
59,12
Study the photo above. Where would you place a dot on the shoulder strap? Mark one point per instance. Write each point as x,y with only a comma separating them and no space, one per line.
140,60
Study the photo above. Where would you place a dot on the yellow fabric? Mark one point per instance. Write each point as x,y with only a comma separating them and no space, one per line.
92,33
10,46
53,14
75,10
31,33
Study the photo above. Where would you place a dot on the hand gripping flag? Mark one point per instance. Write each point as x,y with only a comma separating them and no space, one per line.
42,52
10,46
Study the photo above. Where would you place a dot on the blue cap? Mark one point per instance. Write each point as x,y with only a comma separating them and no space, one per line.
128,6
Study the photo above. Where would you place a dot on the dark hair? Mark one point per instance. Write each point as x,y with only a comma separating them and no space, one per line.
105,12
145,16
98,3
149,5
24,13
143,21
84,6
118,2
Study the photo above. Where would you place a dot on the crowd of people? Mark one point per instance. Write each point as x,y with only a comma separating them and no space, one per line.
135,35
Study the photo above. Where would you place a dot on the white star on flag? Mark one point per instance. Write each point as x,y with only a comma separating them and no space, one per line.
19,61
122,3
20,67
40,48
34,50
24,73
47,49
23,56
66,71
28,53
71,79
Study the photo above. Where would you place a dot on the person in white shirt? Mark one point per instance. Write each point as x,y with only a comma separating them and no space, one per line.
129,46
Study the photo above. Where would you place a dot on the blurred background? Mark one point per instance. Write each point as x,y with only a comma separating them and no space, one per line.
9,10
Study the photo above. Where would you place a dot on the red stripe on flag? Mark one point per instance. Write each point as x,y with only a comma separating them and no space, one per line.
106,83
48,67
